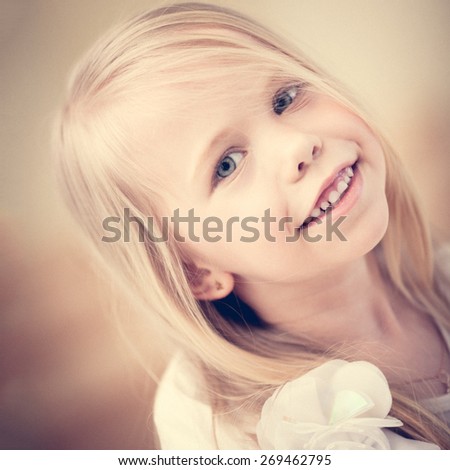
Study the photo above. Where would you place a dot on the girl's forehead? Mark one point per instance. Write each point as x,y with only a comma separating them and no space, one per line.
171,114
213,91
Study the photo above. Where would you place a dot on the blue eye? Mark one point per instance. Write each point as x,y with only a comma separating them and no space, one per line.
284,98
228,164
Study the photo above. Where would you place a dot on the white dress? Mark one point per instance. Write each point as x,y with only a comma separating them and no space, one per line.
184,418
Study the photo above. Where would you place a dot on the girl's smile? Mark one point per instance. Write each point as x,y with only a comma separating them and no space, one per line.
338,197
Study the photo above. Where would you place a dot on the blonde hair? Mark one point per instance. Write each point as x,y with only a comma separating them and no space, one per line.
96,157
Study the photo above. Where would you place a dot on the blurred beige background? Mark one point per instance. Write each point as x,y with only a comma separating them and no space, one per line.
66,380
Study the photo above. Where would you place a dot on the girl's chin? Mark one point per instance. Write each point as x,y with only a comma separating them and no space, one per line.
347,242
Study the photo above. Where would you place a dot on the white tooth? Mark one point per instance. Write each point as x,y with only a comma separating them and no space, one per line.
315,212
333,196
349,171
325,205
347,179
342,186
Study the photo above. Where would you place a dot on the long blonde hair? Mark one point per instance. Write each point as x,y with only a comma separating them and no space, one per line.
96,157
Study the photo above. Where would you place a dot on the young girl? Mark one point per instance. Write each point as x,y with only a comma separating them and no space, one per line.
247,203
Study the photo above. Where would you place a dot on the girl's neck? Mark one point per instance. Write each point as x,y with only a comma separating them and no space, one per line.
349,305
354,310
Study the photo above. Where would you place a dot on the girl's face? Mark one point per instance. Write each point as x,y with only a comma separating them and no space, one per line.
244,174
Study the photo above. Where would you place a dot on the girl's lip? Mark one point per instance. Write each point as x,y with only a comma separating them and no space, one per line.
347,201
329,181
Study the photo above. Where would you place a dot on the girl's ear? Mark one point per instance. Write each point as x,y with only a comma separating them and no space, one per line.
207,284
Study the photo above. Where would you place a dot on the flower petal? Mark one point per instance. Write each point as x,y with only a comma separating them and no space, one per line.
349,404
337,405
368,380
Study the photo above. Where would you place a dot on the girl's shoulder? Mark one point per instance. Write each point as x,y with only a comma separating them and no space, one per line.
182,413
184,416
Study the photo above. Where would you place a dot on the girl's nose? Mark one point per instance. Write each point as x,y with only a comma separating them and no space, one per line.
297,154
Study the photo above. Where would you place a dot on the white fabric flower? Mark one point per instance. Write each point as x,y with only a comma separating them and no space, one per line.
339,405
